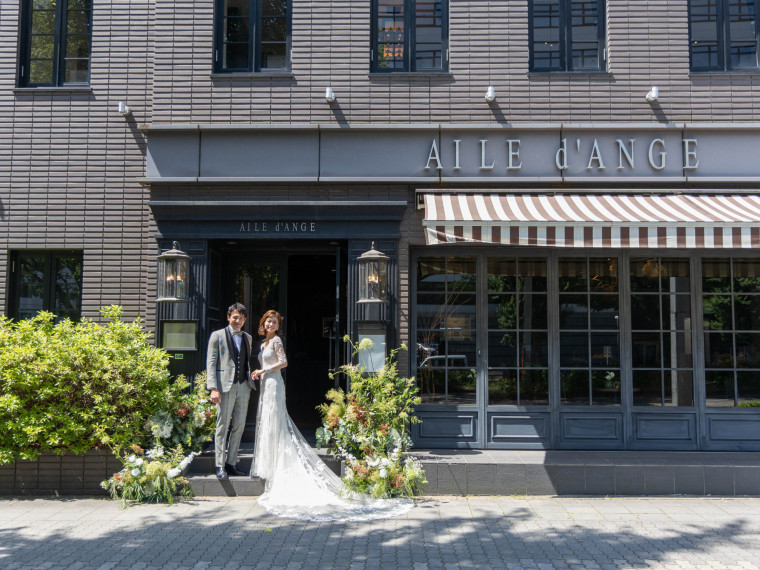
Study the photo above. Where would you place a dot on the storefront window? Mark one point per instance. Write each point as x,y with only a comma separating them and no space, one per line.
446,335
518,359
731,312
589,304
661,332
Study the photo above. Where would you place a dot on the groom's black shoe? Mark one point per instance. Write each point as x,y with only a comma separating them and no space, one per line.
221,473
233,470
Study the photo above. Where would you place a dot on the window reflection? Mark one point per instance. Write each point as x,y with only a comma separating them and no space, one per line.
517,331
731,307
661,344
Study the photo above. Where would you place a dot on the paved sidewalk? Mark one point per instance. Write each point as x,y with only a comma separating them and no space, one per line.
440,532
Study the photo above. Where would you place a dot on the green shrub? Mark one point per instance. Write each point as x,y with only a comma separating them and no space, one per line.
74,386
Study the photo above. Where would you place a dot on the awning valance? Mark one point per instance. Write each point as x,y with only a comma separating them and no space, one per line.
585,220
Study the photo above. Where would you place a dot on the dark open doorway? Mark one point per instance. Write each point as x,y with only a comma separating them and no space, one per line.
311,307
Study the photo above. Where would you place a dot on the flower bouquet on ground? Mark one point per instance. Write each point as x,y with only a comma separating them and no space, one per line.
151,476
369,428
184,424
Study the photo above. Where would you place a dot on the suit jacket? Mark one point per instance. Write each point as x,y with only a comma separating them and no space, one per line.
220,362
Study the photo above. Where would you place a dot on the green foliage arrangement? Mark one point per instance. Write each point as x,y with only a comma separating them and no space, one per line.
186,422
76,386
153,476
369,428
187,418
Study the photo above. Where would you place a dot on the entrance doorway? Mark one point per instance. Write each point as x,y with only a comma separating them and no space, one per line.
301,284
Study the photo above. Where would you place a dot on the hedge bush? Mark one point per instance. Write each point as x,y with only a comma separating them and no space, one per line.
71,387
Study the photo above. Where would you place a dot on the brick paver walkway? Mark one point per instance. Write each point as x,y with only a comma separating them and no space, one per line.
440,532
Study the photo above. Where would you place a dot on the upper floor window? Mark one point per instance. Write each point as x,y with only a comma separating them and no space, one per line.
567,35
410,35
252,35
55,42
46,281
723,35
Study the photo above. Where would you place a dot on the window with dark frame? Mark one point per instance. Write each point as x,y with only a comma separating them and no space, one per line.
55,43
567,35
409,35
731,313
724,35
252,36
46,281
589,331
662,354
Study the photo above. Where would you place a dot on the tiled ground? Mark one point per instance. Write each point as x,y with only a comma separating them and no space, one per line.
442,532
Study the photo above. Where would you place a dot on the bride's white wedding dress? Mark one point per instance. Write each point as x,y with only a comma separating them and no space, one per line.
297,483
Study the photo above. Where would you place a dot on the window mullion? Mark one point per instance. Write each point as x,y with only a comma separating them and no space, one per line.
254,44
565,36
410,9
724,40
58,41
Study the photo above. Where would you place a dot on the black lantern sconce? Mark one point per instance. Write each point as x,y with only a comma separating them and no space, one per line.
173,271
373,276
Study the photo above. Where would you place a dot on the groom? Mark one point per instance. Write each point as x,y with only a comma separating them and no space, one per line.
228,370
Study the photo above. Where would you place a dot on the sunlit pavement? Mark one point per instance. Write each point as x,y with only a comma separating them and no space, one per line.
439,532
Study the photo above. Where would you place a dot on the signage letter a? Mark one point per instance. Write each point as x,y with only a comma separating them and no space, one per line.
434,156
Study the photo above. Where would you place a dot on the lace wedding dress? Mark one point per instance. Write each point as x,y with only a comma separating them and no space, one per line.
297,483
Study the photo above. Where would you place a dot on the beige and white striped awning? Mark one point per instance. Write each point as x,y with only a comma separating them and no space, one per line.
585,220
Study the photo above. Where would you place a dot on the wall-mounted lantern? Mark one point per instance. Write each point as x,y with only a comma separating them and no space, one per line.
173,271
373,276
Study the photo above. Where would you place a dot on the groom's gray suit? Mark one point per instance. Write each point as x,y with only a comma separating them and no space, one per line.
220,375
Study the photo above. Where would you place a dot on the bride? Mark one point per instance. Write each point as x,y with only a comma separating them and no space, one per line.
297,483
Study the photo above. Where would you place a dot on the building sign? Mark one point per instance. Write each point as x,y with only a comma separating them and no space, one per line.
438,154
278,227
621,156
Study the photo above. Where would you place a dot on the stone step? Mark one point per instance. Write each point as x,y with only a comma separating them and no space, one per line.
210,486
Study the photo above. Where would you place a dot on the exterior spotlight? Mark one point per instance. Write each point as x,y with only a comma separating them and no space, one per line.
329,95
653,94
490,94
124,109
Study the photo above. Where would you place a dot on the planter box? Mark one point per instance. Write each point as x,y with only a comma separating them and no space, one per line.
58,475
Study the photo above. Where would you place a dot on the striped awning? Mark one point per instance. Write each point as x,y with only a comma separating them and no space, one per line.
584,220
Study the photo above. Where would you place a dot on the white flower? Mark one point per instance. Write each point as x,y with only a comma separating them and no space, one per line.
383,473
366,344
384,462
173,472
139,461
135,472
155,453
131,458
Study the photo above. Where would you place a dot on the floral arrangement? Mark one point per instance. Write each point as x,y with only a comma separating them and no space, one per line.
186,422
189,418
151,476
368,427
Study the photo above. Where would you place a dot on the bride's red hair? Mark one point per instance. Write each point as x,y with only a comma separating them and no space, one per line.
271,313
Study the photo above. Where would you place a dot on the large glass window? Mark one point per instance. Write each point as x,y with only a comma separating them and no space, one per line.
409,35
518,356
567,35
46,281
55,42
446,330
589,308
723,35
661,332
252,35
731,312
